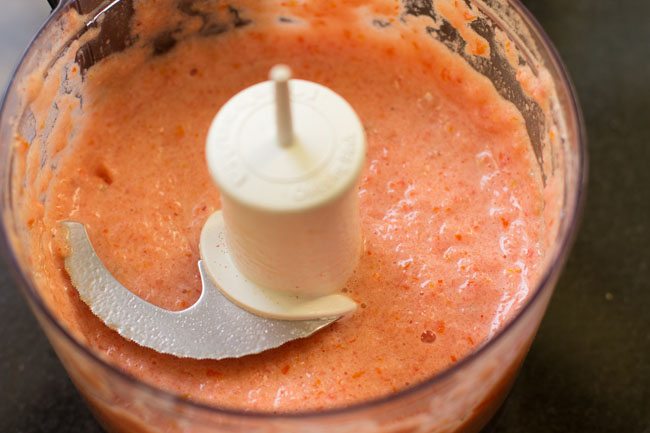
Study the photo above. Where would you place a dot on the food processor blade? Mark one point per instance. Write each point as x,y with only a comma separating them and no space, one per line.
212,328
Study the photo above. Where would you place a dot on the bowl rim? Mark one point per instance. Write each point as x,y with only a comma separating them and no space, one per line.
575,208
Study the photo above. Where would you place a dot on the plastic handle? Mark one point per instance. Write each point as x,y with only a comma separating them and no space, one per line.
280,75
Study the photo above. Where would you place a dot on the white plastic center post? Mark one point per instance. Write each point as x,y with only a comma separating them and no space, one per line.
286,155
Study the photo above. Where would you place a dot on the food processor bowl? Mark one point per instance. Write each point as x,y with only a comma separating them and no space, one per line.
462,398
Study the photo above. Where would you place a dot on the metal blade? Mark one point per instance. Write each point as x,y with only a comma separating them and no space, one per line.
213,328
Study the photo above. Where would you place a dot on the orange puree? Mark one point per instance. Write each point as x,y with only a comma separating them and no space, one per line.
451,206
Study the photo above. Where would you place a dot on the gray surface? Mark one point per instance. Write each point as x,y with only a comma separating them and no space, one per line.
589,369
19,20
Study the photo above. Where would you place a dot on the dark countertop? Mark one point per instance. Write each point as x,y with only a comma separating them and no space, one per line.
589,368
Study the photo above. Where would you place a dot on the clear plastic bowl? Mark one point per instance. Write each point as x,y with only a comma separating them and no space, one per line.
460,399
